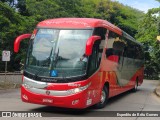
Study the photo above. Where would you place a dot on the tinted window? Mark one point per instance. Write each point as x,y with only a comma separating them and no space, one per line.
100,32
139,52
131,49
115,45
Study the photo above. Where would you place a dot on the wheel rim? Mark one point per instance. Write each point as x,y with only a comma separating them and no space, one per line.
103,96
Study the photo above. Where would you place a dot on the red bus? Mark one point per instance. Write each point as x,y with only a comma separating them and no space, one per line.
79,62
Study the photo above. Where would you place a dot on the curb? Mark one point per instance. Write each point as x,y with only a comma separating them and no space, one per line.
157,91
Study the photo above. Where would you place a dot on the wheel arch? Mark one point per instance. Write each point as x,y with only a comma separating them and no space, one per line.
106,84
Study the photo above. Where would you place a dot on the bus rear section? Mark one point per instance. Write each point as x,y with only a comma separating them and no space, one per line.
79,62
124,57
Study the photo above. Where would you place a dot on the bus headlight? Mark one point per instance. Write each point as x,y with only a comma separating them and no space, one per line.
80,89
27,86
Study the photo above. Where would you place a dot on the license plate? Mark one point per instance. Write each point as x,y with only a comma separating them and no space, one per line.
46,100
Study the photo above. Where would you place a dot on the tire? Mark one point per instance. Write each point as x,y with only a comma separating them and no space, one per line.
135,86
104,98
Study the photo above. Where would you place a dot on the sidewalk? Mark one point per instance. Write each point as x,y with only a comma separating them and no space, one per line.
157,91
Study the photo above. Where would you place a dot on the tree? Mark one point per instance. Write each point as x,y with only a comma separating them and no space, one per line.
122,16
21,6
147,33
11,3
47,9
12,24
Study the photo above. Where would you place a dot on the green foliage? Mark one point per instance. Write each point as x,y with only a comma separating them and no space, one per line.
148,30
46,9
21,6
125,17
12,24
11,3
42,9
128,19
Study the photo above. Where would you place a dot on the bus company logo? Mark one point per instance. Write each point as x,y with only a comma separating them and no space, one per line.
48,80
48,92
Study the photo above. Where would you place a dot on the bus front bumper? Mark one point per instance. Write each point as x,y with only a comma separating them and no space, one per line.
79,100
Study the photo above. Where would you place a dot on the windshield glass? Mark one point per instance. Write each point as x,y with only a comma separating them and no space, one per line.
58,53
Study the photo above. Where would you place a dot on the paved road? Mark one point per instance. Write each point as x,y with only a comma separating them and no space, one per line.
143,100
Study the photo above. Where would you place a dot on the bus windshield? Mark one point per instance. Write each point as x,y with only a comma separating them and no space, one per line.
58,53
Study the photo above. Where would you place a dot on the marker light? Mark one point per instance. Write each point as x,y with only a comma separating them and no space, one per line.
25,97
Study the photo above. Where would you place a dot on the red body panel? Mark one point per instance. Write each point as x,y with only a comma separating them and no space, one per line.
57,101
78,23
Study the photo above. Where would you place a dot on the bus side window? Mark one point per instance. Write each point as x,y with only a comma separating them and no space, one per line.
100,31
115,47
139,52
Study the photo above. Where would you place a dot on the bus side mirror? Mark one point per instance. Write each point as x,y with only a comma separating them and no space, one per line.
90,43
18,40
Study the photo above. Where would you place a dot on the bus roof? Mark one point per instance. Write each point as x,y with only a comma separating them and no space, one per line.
79,23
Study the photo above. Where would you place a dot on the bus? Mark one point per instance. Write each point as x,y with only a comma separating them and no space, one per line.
79,62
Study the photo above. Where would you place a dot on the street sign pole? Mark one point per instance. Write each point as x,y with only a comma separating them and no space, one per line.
5,69
5,58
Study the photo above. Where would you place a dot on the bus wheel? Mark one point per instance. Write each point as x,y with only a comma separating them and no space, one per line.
135,86
104,98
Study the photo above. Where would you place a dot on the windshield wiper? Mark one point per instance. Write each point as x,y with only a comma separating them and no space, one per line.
44,64
55,59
